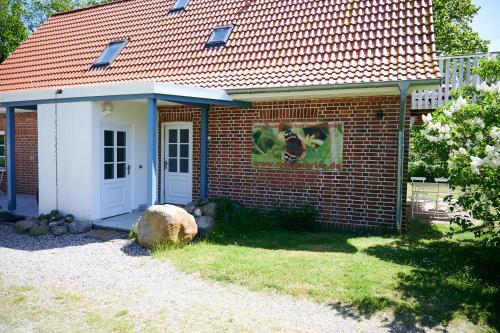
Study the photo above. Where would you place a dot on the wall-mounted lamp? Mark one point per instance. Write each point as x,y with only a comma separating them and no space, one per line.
107,109
380,112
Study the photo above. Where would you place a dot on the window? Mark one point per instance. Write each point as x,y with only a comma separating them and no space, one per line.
115,154
110,54
179,5
219,36
2,150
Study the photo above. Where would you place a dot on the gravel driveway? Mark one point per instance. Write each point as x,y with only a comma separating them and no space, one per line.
73,283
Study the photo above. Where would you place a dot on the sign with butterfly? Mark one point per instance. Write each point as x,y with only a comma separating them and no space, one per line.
302,145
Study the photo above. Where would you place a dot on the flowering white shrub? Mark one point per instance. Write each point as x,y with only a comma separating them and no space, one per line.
467,131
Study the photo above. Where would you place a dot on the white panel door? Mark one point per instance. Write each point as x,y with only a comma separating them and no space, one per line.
178,162
115,172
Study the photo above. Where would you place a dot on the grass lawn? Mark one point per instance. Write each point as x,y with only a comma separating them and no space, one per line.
423,279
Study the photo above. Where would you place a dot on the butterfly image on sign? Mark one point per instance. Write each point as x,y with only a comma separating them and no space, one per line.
306,145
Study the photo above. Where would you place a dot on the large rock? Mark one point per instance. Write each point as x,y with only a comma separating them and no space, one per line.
79,227
166,224
58,230
209,209
39,230
206,225
24,226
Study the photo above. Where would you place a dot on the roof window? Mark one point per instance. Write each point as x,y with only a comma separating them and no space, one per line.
219,36
110,53
179,5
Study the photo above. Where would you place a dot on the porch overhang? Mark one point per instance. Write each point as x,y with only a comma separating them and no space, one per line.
168,92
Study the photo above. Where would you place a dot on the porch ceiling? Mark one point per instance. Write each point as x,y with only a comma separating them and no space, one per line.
171,93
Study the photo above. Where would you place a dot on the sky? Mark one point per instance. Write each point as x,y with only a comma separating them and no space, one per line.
487,22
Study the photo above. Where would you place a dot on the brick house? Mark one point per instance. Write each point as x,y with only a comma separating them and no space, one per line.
141,102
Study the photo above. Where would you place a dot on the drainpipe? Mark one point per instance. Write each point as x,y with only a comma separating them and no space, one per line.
403,95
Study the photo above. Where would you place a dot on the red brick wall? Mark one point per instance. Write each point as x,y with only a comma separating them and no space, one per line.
26,152
361,196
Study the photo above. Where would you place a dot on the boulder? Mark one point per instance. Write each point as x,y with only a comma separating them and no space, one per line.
24,226
206,225
166,224
39,230
209,209
58,230
197,212
79,227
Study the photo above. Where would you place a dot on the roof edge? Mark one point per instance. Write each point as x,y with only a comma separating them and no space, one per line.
413,83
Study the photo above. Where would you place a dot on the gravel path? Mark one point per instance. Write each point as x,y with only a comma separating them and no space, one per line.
118,277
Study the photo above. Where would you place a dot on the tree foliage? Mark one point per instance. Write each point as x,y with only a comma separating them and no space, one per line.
467,131
19,18
12,29
452,28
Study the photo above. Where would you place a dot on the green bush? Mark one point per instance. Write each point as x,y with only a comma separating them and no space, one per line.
241,219
133,232
233,216
296,218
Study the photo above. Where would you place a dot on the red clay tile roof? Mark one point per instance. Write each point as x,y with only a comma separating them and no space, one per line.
275,43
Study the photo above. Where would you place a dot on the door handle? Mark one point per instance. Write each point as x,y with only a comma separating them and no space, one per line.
165,164
128,169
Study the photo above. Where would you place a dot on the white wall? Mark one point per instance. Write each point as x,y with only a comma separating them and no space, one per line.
75,155
133,114
79,155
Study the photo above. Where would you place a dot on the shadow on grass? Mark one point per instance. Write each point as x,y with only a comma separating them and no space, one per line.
286,240
448,278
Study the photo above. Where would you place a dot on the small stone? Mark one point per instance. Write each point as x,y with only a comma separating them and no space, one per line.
24,226
209,209
79,227
39,230
58,230
190,207
43,223
69,218
206,225
197,212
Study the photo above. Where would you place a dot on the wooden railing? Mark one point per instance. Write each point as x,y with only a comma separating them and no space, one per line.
457,72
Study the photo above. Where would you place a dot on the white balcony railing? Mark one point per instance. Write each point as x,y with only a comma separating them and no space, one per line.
457,72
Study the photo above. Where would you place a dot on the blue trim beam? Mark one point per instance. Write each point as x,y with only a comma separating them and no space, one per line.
151,152
204,153
11,158
195,101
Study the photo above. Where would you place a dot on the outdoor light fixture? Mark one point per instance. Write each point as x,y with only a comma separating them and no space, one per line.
107,109
380,112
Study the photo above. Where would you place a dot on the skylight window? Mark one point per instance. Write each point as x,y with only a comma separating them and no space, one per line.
179,5
219,36
110,53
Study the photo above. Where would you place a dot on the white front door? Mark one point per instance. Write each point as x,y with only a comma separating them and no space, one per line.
177,162
115,175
